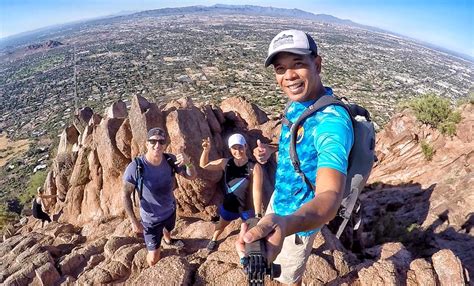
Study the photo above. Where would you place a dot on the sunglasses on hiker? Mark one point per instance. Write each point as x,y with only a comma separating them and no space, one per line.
154,141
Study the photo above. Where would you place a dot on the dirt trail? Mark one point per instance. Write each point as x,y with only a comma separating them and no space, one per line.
9,149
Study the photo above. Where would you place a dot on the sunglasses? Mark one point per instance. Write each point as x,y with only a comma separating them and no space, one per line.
154,141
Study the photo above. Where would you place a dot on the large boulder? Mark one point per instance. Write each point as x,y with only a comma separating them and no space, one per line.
448,268
168,271
67,139
118,109
186,128
112,162
243,112
143,116
439,213
401,140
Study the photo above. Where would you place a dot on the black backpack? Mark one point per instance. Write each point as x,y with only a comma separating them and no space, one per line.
139,174
361,157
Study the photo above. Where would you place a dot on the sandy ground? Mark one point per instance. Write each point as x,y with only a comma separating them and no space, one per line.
10,149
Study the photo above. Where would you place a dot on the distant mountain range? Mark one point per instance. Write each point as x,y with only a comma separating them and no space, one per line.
24,38
254,10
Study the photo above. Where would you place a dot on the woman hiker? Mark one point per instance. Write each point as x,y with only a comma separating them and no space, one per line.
37,207
243,184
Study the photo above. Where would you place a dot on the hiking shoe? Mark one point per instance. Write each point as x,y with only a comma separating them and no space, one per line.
174,242
212,245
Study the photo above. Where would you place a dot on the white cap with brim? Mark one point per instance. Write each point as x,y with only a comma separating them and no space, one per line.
236,139
291,41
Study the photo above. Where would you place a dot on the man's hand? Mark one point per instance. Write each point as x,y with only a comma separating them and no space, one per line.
271,227
182,159
206,144
137,228
262,152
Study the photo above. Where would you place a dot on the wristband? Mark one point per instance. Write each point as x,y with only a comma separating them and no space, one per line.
258,215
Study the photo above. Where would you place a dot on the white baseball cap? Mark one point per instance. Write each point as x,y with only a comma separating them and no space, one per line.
291,41
236,139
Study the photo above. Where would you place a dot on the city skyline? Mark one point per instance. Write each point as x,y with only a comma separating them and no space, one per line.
447,24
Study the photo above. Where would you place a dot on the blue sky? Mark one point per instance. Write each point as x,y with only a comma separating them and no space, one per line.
449,24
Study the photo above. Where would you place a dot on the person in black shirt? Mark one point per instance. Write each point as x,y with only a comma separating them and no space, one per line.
37,210
243,184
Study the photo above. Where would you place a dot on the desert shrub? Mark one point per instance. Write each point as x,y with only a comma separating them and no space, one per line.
6,217
412,227
65,163
466,100
431,109
435,111
448,127
427,150
388,228
36,181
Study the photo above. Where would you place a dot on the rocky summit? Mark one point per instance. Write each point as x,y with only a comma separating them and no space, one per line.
417,214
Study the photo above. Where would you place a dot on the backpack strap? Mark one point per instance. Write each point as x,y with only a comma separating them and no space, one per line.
225,175
138,179
349,203
321,103
285,120
139,174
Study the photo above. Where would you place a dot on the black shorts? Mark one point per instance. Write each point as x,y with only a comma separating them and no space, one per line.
37,212
153,233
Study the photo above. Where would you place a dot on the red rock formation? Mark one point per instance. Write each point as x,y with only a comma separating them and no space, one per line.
417,227
430,203
401,159
143,116
117,110
88,179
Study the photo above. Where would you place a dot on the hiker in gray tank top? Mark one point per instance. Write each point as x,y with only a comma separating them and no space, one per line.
152,176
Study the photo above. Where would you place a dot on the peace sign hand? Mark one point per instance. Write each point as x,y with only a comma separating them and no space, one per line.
206,145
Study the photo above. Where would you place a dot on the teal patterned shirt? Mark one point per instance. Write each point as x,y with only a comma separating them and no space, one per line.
324,140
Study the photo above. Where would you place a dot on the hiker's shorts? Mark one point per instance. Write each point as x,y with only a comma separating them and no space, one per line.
294,255
153,233
230,216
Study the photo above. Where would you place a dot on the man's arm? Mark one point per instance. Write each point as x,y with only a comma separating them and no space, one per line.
323,207
315,213
128,205
190,173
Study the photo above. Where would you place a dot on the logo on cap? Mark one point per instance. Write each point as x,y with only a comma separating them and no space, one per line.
283,40
156,132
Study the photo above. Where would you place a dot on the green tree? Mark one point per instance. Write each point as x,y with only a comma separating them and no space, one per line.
435,111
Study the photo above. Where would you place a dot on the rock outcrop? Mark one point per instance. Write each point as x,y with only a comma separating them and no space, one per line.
88,178
429,204
417,214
